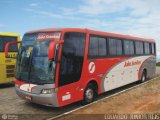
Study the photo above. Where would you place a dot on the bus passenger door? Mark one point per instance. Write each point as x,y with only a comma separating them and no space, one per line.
70,67
66,82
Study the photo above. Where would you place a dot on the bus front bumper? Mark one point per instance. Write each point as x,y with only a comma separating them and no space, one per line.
42,99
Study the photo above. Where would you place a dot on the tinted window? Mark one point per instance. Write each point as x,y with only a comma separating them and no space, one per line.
128,47
102,47
153,48
29,39
97,47
115,46
146,48
72,58
93,47
139,48
3,42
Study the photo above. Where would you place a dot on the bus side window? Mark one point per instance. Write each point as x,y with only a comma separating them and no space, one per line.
152,48
139,48
146,48
128,47
115,47
97,47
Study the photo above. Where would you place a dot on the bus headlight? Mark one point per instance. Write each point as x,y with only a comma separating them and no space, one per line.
49,91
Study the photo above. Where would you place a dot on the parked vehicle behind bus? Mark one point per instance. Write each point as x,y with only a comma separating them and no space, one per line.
7,65
56,67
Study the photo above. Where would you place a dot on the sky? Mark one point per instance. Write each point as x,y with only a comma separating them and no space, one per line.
132,17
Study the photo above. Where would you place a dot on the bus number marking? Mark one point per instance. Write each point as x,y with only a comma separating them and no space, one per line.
91,67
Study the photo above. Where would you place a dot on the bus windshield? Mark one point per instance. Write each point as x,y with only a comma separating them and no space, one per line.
33,65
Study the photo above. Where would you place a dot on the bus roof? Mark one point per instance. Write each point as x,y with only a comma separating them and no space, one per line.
9,34
92,32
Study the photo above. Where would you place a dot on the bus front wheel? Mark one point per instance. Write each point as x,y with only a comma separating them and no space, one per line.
89,94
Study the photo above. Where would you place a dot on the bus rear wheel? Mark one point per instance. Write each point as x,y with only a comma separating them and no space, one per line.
89,94
143,77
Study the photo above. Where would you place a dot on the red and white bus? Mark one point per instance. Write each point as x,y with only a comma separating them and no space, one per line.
56,67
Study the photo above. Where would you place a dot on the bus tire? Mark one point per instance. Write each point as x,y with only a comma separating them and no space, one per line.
89,94
143,76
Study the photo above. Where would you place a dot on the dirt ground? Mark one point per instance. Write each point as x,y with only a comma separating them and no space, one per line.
139,101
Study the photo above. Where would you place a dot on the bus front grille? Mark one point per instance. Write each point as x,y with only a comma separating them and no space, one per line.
10,70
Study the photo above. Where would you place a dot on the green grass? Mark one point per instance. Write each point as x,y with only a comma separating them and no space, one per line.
158,64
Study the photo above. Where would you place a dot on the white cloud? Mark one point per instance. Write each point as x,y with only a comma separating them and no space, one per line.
96,7
66,13
33,5
137,7
143,17
43,13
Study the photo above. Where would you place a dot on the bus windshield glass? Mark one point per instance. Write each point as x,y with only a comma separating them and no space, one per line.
33,65
41,70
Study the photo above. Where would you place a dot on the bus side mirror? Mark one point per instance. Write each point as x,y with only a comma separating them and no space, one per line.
7,49
51,51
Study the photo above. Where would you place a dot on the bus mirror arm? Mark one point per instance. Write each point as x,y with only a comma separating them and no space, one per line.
52,49
7,48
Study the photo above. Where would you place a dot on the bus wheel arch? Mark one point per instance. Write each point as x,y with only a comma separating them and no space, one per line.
90,92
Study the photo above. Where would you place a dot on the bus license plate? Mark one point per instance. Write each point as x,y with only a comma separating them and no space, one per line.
28,98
